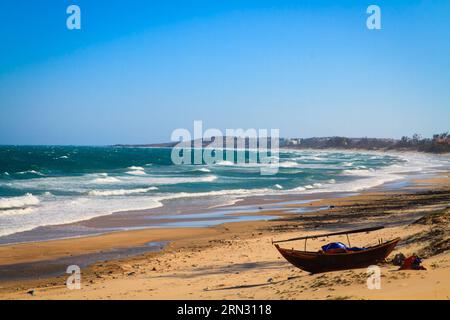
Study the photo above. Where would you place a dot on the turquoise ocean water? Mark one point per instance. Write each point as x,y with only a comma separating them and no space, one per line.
49,185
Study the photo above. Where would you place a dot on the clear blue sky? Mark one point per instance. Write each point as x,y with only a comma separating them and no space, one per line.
139,69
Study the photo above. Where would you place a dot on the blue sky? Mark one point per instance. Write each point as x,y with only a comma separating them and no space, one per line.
137,70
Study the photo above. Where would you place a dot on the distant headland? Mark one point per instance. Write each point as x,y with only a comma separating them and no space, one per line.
439,143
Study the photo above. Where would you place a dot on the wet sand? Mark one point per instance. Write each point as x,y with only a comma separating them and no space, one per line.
237,260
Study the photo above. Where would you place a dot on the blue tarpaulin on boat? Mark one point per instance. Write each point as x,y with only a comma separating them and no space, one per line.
339,245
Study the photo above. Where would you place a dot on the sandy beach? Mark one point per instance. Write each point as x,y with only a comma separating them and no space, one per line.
206,150
238,261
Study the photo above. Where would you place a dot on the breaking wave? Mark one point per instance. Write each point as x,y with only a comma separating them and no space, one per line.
137,172
136,168
120,192
19,202
106,180
16,212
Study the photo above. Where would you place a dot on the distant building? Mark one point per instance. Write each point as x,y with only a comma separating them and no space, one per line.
444,140
291,141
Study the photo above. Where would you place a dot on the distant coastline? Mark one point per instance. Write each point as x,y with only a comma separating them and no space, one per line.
439,143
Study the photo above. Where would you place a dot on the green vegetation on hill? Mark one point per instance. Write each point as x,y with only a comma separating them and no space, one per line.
439,143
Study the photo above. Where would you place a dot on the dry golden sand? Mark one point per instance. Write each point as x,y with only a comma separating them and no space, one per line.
238,261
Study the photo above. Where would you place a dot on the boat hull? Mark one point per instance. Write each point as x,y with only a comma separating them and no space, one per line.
318,262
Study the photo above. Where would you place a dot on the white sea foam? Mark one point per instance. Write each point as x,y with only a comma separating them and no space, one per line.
120,192
63,211
369,178
137,172
19,202
106,180
203,170
31,172
83,184
278,186
251,165
317,185
288,164
227,202
231,192
136,168
357,172
314,158
224,163
176,180
292,171
16,212
69,210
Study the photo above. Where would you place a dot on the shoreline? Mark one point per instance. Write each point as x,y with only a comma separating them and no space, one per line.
191,238
159,216
256,207
263,207
196,215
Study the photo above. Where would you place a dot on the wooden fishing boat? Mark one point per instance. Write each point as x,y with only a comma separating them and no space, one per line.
318,262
